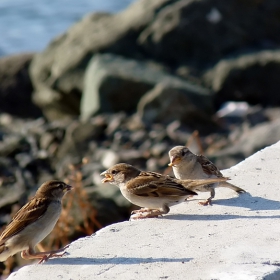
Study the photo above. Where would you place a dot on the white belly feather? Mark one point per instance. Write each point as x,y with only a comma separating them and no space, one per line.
33,233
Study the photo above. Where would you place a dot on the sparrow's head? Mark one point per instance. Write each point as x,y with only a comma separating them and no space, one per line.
120,173
53,189
179,154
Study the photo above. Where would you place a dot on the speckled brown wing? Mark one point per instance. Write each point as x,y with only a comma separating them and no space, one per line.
209,167
28,214
156,185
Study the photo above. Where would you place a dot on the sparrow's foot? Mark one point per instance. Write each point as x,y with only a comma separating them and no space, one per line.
52,255
43,256
146,214
206,202
142,210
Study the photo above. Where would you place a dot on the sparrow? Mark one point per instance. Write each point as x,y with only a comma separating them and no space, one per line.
187,165
153,191
33,222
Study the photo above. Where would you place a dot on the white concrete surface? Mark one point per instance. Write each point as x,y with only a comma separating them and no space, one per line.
238,238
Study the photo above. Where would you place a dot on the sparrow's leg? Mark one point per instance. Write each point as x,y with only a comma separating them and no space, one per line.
43,256
208,201
152,213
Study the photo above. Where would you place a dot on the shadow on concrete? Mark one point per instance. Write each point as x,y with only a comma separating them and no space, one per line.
245,200
214,217
115,260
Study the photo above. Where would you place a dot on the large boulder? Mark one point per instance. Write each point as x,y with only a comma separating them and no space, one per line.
189,104
199,32
114,83
250,77
57,72
15,86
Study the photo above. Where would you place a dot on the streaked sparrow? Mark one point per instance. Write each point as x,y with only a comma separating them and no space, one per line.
187,165
33,222
153,191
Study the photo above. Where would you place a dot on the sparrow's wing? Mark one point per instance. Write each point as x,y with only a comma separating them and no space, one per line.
156,185
28,214
209,167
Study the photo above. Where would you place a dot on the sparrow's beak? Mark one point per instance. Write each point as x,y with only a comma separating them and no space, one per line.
174,160
67,188
108,177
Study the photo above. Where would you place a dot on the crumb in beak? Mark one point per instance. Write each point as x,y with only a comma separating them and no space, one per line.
108,178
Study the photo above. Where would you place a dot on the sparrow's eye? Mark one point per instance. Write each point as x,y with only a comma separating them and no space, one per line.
60,186
184,152
114,172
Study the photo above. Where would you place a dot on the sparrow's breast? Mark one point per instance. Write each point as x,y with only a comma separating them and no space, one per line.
38,230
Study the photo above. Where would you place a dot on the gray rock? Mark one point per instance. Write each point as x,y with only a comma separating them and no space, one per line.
259,137
12,185
251,77
57,73
199,32
250,141
182,101
113,83
15,86
12,144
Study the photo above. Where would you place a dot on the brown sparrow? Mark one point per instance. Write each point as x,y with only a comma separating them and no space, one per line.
33,222
187,165
153,191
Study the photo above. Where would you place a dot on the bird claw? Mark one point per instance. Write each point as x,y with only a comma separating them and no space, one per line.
54,255
206,202
142,210
147,213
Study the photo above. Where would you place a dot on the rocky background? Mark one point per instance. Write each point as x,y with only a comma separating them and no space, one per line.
128,87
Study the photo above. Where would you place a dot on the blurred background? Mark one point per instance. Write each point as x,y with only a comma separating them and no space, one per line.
87,84
28,25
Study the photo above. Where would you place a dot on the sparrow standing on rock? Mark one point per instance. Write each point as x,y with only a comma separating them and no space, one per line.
153,191
187,165
33,222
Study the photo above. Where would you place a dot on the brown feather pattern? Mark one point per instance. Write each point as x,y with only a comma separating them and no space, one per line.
28,214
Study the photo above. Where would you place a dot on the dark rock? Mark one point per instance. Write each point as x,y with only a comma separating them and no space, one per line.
16,88
200,32
252,77
12,187
184,102
13,144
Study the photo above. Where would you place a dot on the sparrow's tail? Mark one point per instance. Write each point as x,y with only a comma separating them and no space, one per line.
231,186
189,184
